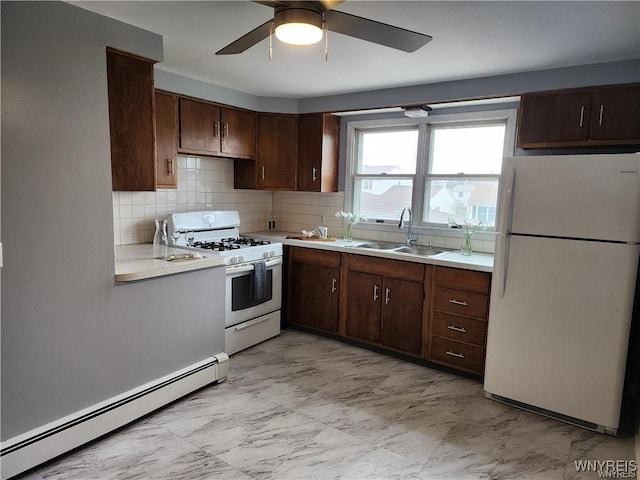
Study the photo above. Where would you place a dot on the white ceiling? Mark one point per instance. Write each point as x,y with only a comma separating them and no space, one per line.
470,39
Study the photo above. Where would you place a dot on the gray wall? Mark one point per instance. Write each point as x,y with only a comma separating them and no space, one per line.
70,337
497,86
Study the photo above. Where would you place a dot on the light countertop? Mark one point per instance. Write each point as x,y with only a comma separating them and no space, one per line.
481,262
136,262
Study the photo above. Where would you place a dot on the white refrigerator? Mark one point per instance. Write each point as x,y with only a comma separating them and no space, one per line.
564,280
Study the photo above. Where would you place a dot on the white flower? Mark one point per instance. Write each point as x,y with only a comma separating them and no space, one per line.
350,217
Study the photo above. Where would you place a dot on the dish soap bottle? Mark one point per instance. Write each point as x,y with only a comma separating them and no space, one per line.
160,247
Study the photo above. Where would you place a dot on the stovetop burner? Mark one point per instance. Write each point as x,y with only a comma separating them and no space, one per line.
230,244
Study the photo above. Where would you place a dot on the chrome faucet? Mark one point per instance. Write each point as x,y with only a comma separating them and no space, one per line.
410,237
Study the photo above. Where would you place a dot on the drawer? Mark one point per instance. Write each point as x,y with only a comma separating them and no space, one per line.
459,328
461,302
252,332
457,355
462,279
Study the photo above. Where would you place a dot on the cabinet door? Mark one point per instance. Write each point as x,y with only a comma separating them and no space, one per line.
314,296
200,127
238,133
553,118
402,315
277,152
318,138
615,114
166,140
131,115
364,291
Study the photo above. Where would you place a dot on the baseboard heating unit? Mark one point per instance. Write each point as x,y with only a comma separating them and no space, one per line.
37,446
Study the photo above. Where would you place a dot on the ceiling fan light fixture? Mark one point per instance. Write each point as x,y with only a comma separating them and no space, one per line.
297,26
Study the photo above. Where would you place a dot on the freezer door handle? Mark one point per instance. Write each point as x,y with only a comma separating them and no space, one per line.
506,200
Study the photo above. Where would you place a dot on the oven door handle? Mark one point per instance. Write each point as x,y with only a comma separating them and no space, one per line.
249,266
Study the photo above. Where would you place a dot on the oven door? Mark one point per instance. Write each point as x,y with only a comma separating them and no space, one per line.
240,304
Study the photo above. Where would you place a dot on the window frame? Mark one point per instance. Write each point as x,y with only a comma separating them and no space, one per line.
422,175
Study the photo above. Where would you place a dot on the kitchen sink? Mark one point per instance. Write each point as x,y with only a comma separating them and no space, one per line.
423,250
380,245
419,250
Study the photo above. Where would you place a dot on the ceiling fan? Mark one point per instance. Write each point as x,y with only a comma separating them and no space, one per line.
303,23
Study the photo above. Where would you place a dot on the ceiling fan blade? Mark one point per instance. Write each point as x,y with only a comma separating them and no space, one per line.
376,32
274,4
247,41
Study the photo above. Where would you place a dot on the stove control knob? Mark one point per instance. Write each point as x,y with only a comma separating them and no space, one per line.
233,260
265,255
240,259
272,253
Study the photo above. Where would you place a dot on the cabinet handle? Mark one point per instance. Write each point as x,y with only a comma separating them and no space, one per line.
313,173
170,168
375,293
454,354
386,296
263,172
581,115
225,132
458,302
333,285
216,129
457,329
601,111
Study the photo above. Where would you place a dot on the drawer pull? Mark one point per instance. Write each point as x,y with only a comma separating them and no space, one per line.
601,112
581,116
454,354
457,329
458,302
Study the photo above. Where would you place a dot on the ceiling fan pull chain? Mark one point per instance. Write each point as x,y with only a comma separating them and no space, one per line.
326,39
271,39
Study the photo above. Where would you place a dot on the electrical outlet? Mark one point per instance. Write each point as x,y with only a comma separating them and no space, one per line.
321,219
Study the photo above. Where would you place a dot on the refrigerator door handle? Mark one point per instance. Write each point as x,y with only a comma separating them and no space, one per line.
501,265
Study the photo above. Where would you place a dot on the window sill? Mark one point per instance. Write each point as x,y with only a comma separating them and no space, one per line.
425,230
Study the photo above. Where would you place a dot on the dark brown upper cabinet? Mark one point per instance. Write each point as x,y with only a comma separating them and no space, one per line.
318,144
166,140
131,122
276,155
213,130
580,117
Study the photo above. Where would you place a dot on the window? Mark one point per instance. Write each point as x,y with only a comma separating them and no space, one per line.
463,171
445,167
384,171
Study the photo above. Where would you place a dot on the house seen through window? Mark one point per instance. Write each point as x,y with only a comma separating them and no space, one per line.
446,171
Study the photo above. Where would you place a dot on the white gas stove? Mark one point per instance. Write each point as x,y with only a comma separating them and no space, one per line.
218,232
253,273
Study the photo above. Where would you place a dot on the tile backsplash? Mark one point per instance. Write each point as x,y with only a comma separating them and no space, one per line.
207,184
203,184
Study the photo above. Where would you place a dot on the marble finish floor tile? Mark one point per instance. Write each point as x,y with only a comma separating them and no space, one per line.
300,406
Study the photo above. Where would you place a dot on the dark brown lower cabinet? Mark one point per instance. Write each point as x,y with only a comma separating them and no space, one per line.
384,302
362,320
402,315
314,288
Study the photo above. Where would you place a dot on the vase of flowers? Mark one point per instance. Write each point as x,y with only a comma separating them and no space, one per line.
349,219
468,229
